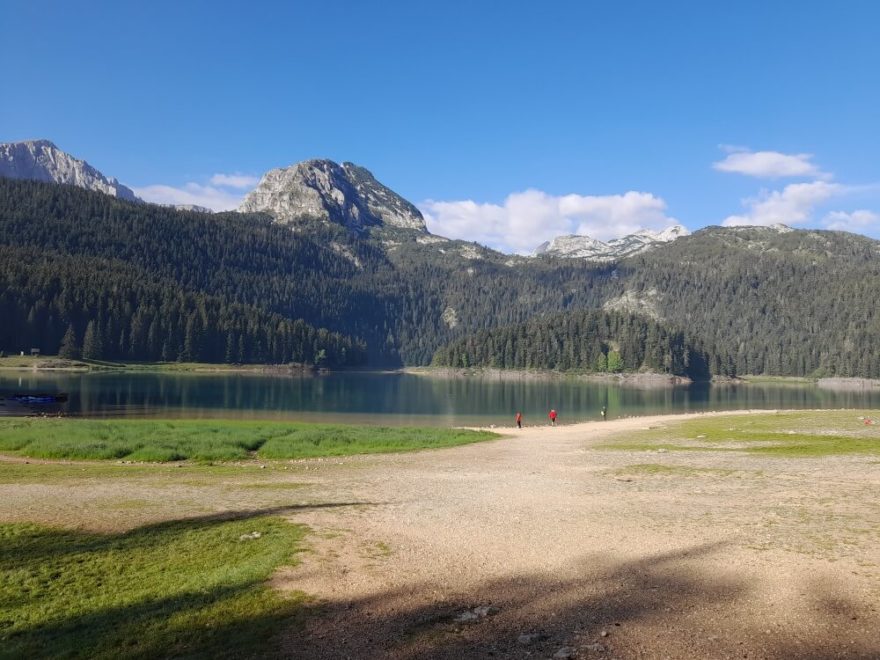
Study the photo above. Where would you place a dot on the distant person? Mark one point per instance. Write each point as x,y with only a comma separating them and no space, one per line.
552,416
604,413
519,420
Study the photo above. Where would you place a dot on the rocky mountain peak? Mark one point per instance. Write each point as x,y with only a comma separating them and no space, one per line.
584,247
195,208
40,144
344,194
41,160
668,234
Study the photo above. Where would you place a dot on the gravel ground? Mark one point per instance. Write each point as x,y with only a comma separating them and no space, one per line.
541,545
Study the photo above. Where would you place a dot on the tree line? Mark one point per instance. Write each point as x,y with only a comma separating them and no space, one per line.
98,309
589,341
753,300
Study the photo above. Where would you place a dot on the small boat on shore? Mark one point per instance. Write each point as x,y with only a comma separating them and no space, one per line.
34,398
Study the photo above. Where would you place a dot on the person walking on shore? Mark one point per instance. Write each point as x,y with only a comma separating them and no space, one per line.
519,420
552,416
604,413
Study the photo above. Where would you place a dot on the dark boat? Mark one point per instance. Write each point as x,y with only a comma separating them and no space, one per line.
39,398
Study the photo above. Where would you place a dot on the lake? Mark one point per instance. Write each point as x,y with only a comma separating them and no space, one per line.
397,398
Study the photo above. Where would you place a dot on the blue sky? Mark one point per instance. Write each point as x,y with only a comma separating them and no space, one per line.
506,123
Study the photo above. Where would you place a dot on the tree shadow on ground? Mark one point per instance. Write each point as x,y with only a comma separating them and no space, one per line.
661,605
53,543
658,606
144,630
195,587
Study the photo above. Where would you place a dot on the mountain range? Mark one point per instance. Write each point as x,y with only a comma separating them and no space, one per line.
361,280
346,194
583,247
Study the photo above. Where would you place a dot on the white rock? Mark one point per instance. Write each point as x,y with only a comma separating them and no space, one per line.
480,612
321,189
450,317
583,247
40,160
195,208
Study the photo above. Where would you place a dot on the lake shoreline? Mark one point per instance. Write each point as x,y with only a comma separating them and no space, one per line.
646,379
53,364
395,398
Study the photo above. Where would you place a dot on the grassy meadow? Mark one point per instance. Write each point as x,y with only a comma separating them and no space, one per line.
213,440
791,433
193,583
188,588
169,554
56,363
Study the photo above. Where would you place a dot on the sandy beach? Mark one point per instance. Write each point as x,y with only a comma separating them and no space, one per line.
538,545
541,544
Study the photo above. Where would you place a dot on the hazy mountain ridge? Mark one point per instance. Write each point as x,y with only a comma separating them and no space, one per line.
576,246
195,208
41,160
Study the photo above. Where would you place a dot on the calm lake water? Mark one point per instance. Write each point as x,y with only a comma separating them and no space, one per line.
383,398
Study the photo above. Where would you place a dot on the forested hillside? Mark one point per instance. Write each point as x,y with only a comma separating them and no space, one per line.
594,341
765,301
243,288
148,280
101,309
392,301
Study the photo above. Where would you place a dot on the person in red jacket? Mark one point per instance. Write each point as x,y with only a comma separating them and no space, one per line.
519,420
552,417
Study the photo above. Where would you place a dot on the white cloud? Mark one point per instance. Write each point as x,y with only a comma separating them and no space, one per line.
768,164
236,180
224,192
211,197
792,205
856,221
526,219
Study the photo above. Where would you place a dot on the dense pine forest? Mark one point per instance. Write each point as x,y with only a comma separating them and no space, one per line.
390,300
594,341
83,274
99,309
792,303
140,281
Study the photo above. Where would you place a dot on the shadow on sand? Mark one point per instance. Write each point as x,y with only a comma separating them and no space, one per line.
659,606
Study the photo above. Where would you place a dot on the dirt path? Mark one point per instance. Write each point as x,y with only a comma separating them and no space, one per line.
532,546
541,545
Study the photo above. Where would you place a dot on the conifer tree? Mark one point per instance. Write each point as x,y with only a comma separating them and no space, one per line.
93,348
70,348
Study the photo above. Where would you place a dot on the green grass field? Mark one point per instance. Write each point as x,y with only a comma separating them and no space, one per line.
191,588
213,440
794,433
53,362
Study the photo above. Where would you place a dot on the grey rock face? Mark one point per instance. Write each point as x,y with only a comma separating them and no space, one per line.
40,160
584,247
344,194
192,207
